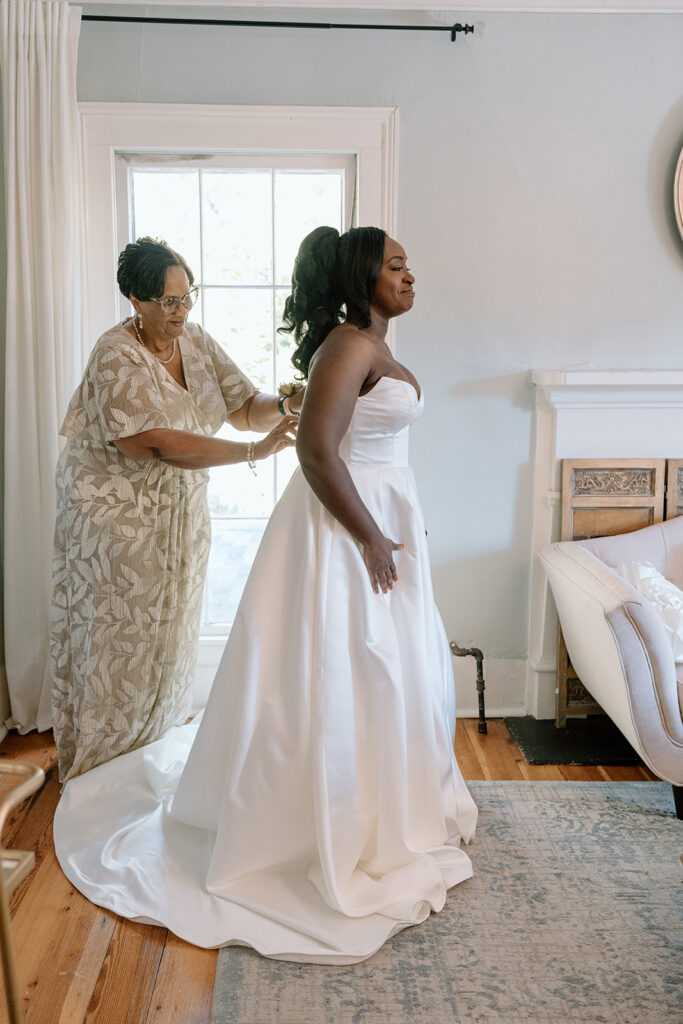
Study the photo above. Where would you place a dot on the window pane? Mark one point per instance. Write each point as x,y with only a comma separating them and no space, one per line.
241,319
233,546
237,227
284,371
287,462
235,490
166,205
303,200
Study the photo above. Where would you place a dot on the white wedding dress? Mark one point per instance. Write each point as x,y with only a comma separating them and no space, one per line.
320,808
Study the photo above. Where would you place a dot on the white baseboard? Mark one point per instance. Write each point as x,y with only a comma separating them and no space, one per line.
494,711
504,692
542,681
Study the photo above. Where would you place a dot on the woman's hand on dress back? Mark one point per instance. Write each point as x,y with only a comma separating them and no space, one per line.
379,561
282,436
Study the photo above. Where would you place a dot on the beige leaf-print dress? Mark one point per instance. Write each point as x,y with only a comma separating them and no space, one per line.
131,547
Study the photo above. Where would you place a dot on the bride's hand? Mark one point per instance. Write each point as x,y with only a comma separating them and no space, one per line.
282,436
379,561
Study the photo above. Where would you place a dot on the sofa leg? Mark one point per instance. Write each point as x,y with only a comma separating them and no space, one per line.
678,801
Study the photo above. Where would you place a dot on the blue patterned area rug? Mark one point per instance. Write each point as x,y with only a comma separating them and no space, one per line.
574,914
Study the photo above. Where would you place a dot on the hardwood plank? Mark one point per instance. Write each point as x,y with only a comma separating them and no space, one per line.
495,750
541,772
623,772
184,985
581,773
470,765
123,992
36,747
87,971
60,941
479,755
33,831
510,753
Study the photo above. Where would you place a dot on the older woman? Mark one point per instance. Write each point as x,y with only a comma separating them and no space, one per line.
133,529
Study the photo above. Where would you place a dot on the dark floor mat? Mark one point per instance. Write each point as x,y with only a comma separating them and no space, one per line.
593,740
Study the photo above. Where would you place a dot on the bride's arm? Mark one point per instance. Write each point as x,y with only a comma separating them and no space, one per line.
339,370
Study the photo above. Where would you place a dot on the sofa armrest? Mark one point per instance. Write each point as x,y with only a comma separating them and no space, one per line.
650,674
621,652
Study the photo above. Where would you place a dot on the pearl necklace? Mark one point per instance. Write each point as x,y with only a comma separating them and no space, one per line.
164,362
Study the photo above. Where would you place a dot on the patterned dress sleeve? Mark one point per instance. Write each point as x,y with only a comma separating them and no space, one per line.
118,396
235,386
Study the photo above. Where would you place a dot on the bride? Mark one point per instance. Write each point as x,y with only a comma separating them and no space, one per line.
320,808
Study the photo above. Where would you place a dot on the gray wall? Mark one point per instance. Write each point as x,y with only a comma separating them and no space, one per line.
536,168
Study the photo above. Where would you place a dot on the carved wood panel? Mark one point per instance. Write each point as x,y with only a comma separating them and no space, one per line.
674,488
601,497
601,481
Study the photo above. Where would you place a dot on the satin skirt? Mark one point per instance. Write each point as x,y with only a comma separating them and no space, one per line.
317,808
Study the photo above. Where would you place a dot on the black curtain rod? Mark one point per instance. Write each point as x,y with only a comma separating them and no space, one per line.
453,29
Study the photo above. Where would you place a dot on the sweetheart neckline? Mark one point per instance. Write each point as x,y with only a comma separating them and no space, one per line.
401,380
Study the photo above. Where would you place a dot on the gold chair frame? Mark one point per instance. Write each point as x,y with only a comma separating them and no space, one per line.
16,865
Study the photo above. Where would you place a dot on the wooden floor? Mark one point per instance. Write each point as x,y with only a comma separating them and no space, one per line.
79,964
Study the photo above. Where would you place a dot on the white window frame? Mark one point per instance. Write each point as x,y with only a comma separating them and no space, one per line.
127,161
369,133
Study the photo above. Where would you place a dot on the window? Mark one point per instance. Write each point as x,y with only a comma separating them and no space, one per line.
238,221
368,134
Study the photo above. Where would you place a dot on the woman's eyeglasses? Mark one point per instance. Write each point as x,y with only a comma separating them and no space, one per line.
172,302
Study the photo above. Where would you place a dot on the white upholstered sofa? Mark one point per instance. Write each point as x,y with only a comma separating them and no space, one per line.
617,642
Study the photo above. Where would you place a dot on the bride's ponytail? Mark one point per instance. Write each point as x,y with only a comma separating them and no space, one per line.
315,304
333,281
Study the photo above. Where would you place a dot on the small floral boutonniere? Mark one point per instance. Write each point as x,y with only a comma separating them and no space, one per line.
290,388
288,391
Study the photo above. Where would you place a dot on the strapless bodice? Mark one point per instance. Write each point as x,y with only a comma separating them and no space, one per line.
378,432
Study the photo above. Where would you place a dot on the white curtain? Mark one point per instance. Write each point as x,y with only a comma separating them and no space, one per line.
44,334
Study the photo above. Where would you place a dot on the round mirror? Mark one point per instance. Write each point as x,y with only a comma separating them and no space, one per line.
678,193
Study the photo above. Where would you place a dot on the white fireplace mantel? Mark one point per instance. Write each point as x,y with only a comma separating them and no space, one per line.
609,388
587,414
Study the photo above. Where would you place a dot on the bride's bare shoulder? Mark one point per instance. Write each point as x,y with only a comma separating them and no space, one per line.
343,345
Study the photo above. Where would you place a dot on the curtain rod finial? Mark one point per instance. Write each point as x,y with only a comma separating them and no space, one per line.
465,29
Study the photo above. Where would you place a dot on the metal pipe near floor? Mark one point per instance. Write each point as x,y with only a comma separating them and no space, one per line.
474,652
